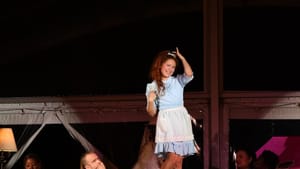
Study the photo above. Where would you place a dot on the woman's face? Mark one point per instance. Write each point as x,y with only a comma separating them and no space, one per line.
242,160
93,162
168,68
32,164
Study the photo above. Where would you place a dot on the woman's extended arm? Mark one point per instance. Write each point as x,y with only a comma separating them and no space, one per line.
186,66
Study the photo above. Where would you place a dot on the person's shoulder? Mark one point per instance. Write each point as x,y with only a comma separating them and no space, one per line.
151,87
172,77
151,84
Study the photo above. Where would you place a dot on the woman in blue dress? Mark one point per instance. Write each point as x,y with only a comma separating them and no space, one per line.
174,137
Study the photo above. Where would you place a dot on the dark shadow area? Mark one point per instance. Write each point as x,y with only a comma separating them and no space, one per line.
261,48
196,161
96,54
118,142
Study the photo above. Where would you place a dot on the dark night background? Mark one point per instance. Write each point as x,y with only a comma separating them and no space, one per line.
61,48
67,48
93,48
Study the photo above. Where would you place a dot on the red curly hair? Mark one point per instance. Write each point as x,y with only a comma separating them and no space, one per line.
155,71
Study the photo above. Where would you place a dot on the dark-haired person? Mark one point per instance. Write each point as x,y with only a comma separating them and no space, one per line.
245,158
267,160
32,161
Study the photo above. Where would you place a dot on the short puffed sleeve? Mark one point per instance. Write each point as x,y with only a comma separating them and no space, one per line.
151,87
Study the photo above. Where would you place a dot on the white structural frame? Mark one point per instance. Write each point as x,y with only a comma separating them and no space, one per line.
131,108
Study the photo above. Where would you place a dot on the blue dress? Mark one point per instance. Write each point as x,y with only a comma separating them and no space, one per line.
174,126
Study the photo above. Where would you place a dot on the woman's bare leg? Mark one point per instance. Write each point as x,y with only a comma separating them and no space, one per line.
173,161
179,161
